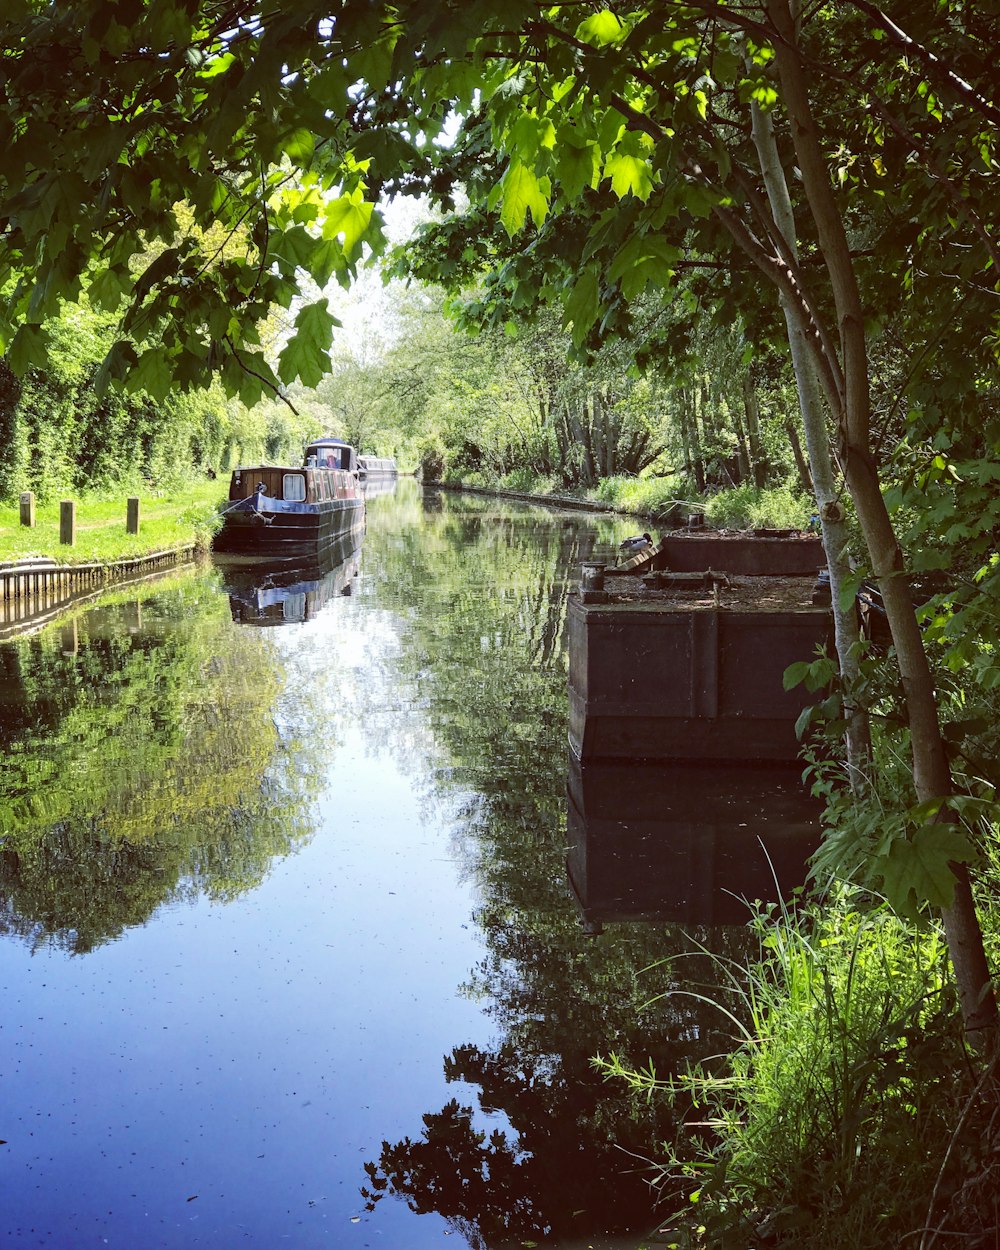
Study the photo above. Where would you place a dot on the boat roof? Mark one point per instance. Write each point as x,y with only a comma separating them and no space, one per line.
328,440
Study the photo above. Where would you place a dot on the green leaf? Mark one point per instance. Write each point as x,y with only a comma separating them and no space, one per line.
349,216
644,260
28,347
307,353
326,260
602,29
523,192
115,365
151,373
582,306
849,588
216,65
804,720
917,871
295,245
105,290
628,168
299,146
529,135
577,166
794,674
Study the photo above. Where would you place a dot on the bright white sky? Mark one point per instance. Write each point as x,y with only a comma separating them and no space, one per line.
366,309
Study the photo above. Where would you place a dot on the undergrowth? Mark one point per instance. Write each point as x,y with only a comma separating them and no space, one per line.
668,500
750,507
848,1112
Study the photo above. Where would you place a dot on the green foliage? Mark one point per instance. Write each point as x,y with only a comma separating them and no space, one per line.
644,496
883,839
64,437
832,1120
749,507
880,836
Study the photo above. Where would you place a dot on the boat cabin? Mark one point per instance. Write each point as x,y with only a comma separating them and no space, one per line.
331,453
341,479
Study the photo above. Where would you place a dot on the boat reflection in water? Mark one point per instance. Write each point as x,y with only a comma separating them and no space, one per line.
375,484
685,843
287,593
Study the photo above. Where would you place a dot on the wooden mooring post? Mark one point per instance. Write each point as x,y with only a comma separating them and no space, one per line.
28,508
132,517
67,522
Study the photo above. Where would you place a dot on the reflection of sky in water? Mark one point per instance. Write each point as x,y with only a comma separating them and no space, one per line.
220,1076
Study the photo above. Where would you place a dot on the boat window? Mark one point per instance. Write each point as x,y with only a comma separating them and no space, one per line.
294,486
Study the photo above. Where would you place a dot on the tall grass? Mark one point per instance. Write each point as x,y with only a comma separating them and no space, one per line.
831,1122
749,507
653,497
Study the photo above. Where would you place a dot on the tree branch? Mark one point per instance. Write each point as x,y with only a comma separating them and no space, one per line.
275,390
965,91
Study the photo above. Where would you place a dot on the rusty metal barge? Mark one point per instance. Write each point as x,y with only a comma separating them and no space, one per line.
681,656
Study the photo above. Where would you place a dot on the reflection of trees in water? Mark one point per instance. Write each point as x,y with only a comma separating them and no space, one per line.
482,665
144,767
476,592
573,1163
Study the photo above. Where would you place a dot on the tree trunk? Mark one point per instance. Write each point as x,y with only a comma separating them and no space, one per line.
931,772
831,512
801,467
581,434
689,440
745,472
752,413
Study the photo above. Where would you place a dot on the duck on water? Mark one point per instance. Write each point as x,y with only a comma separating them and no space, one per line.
279,512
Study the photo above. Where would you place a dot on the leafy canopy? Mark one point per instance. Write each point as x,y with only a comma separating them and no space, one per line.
619,140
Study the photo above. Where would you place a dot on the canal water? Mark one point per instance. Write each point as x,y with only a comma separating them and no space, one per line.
309,931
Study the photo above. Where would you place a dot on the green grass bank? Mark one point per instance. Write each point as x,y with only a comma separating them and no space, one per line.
182,517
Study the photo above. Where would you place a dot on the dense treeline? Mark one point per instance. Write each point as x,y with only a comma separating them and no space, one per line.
512,406
504,406
60,431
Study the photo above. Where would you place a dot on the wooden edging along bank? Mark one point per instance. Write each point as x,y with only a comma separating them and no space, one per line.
32,590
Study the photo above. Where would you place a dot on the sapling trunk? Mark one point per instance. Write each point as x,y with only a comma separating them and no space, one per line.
931,771
831,512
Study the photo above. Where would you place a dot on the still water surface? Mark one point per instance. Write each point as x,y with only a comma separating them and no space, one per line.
289,951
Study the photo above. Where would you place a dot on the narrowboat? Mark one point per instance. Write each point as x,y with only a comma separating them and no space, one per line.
279,512
376,467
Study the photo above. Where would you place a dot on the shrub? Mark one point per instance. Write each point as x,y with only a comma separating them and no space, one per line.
522,480
431,462
655,497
